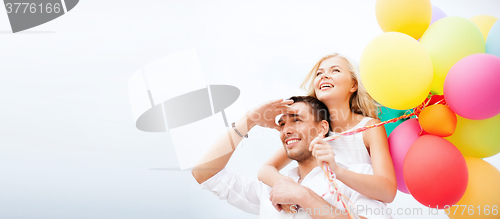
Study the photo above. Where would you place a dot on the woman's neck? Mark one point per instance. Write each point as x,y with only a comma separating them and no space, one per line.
342,117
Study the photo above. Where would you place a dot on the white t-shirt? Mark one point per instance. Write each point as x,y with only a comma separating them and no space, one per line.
252,195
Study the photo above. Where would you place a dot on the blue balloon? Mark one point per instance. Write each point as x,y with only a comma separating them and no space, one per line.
493,40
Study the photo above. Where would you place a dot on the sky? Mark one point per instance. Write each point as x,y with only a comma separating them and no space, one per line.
69,147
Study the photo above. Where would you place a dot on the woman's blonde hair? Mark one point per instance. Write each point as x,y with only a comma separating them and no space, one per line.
360,101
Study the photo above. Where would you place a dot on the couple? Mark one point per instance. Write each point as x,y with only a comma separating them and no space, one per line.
334,81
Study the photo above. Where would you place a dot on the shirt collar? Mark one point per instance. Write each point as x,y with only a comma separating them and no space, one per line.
294,173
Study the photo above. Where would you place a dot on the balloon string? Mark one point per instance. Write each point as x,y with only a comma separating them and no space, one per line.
416,112
337,196
330,175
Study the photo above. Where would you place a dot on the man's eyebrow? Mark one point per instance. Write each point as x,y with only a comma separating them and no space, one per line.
292,115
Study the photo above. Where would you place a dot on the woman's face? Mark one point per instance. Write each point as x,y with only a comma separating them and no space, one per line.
333,80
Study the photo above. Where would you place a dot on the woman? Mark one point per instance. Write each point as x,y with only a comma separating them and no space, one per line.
334,80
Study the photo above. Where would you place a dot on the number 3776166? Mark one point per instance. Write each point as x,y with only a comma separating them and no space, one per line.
33,8
471,210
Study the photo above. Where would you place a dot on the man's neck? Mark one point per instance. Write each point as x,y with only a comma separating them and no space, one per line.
305,167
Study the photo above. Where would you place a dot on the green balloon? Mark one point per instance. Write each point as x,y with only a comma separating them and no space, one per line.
386,113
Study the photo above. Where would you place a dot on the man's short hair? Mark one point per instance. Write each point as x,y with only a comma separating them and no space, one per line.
318,109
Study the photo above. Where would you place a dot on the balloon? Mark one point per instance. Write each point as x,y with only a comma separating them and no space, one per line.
396,71
484,102
435,172
437,99
437,14
411,17
447,41
386,113
472,89
477,138
400,141
482,193
438,120
484,23
493,40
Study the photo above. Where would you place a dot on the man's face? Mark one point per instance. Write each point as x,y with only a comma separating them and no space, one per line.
297,131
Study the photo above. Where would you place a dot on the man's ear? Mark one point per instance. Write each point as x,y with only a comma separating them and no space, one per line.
325,127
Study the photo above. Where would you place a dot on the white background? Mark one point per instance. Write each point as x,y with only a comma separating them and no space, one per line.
68,144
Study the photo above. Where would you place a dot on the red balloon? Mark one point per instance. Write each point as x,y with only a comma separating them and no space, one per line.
439,99
434,99
435,172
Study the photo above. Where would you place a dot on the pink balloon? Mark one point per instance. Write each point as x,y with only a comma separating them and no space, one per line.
437,14
400,141
472,87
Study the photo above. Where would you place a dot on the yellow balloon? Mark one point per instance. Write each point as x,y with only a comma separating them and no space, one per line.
396,71
477,138
484,23
482,196
411,17
447,41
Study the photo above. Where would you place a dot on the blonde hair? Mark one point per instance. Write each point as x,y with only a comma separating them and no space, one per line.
360,101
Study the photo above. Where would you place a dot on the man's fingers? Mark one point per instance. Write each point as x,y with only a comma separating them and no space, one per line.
275,101
287,110
288,208
277,207
282,102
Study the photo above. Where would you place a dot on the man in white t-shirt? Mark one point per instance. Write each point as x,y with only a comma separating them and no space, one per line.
304,119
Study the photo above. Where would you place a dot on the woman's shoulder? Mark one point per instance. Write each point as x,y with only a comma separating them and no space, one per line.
371,121
368,121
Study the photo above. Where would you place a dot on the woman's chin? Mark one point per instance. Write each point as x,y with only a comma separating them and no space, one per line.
324,95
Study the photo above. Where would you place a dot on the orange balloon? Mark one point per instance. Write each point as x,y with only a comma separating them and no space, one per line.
482,196
438,120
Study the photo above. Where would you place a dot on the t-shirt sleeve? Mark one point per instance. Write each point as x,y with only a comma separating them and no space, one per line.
240,191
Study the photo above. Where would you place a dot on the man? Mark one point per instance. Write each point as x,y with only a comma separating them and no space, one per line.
304,119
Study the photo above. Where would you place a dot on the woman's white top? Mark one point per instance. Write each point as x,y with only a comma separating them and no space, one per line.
351,149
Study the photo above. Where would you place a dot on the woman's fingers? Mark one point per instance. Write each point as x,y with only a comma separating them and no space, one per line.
317,151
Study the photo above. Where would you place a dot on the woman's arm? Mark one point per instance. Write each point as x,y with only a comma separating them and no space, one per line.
269,172
382,184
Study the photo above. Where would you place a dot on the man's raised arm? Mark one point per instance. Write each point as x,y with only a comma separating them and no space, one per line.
217,156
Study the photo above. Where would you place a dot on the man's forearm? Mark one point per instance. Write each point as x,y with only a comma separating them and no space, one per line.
217,156
310,200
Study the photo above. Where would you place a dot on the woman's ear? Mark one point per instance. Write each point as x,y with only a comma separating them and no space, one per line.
325,127
354,87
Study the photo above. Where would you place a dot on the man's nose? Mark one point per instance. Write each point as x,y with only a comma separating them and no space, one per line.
288,130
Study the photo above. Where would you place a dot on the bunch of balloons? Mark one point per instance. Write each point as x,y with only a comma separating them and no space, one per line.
452,65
